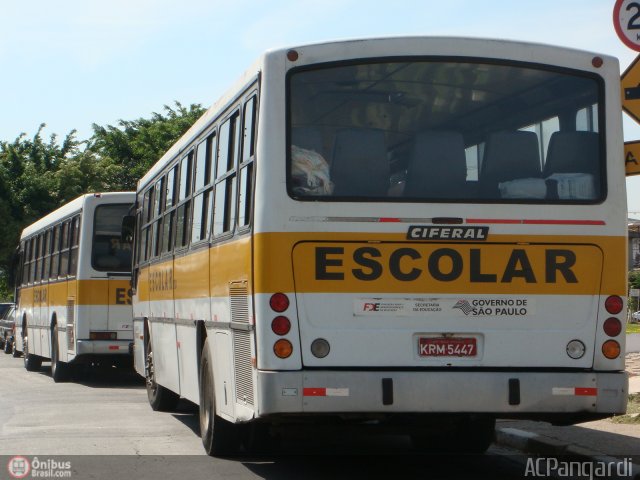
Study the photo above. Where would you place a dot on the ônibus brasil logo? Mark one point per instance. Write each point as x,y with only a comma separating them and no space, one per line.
18,467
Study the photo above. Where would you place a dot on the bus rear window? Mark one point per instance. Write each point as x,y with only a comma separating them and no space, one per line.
109,253
442,131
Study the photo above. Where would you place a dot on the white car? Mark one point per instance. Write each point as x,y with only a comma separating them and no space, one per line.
636,316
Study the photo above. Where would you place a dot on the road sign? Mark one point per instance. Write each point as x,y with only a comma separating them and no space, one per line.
630,84
626,20
632,158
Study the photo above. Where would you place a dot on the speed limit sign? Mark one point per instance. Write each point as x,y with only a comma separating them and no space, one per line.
626,19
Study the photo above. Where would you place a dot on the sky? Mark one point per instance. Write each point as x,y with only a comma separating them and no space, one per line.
72,63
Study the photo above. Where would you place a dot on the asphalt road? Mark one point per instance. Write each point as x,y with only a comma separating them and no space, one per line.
102,424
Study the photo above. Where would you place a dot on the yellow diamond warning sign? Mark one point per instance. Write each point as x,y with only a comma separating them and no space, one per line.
632,158
630,83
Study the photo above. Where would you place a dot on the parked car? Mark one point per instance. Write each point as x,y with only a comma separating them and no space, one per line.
636,316
4,307
7,330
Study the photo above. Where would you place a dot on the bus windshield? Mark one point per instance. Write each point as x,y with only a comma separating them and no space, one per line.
445,131
109,252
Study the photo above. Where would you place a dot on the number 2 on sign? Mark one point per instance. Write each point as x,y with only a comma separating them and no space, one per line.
632,25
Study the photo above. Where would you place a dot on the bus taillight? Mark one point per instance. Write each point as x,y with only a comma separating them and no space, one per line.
613,304
280,325
612,327
283,348
611,349
279,302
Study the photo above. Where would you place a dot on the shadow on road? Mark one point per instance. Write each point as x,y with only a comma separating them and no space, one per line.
187,413
96,376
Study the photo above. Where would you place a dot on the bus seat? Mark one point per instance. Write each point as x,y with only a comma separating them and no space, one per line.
437,166
308,138
509,155
573,152
360,166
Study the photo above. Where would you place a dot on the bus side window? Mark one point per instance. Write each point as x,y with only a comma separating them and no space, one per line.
224,213
23,262
75,241
246,167
203,190
64,250
46,262
184,201
38,259
55,249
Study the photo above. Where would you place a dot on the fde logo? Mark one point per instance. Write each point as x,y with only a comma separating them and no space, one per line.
371,307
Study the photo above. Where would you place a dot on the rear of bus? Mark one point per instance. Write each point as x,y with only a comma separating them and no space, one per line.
104,326
443,232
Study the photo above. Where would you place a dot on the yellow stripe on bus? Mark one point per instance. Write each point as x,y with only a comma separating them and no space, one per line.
84,292
363,262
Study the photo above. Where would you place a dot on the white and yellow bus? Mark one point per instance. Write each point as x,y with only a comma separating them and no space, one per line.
424,233
73,285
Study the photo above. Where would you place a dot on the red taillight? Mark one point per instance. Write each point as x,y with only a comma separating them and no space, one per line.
279,302
281,325
612,327
614,304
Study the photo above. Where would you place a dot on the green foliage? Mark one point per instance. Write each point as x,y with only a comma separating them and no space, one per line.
128,150
38,175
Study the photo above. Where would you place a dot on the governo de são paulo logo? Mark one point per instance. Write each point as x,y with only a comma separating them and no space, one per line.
18,467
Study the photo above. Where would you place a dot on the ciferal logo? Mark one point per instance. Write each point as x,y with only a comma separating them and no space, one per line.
447,232
18,467
465,306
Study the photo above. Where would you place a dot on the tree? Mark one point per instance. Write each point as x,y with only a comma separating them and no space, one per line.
38,175
128,150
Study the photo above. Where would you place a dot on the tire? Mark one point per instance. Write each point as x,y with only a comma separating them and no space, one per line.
219,437
160,398
60,371
8,345
31,362
15,353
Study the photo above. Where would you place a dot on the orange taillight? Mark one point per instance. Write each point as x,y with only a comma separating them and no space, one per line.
611,349
283,348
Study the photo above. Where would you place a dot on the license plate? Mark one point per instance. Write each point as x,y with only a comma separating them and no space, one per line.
447,347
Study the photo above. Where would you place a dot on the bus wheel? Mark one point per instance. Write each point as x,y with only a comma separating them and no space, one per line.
59,370
160,398
31,362
219,437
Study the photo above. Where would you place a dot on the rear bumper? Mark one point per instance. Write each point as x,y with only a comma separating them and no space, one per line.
516,394
102,347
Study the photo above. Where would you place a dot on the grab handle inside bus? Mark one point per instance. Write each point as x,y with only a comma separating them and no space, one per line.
128,227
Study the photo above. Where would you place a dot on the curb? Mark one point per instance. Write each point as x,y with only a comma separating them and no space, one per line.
535,444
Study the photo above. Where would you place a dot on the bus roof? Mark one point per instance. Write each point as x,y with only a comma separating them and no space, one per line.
71,207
